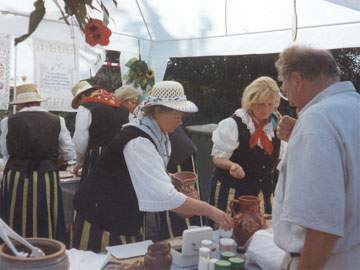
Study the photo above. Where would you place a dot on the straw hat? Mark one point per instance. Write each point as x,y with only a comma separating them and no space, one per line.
170,94
26,93
77,90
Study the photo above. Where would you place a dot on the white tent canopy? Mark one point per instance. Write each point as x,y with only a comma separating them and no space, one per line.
188,28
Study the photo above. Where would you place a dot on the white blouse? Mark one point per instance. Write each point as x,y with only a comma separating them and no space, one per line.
152,184
81,134
226,135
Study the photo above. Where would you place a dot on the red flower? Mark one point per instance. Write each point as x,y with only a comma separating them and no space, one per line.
97,33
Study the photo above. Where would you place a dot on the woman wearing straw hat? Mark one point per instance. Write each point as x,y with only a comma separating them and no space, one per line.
98,118
32,141
246,150
131,178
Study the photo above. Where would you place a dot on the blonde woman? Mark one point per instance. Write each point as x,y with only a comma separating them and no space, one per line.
246,149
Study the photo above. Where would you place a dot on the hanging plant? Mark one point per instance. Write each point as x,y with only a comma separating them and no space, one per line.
139,74
95,30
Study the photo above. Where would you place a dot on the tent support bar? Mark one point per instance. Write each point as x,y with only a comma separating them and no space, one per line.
226,27
143,18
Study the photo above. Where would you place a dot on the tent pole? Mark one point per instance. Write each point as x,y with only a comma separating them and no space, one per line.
143,18
15,75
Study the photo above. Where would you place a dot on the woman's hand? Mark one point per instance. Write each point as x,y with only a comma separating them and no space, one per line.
236,171
76,169
224,221
285,127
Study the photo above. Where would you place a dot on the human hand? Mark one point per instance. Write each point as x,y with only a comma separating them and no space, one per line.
224,221
76,169
285,127
236,171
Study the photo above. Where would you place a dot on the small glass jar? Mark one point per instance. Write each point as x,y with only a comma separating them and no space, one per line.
227,244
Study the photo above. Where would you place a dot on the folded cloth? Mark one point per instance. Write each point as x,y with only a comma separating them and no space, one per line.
85,260
263,253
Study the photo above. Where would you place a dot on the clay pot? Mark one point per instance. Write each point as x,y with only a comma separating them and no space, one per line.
158,256
248,220
185,182
55,257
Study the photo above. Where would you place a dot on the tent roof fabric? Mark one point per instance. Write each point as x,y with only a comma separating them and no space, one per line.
197,28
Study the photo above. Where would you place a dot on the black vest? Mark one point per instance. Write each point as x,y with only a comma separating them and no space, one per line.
33,141
256,163
106,122
107,198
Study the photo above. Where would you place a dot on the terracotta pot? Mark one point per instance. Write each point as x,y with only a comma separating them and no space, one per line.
248,220
158,256
185,182
55,257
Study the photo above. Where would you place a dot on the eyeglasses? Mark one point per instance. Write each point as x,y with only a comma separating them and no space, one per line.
283,95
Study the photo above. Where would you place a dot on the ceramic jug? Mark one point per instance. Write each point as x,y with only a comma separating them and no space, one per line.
185,182
248,219
158,256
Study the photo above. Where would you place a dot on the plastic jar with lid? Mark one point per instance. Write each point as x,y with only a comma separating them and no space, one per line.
222,265
237,263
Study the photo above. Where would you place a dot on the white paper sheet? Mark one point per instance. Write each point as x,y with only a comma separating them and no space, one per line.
129,250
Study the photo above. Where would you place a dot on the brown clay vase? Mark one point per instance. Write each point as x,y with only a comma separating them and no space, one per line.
248,220
158,256
55,257
185,182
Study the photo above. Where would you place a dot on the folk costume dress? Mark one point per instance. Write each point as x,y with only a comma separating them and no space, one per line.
255,149
129,179
30,198
98,119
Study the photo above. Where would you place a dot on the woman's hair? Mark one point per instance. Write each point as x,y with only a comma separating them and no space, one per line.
260,90
150,111
309,62
127,92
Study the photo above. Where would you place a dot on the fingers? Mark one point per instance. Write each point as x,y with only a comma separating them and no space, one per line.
284,128
226,223
237,171
221,218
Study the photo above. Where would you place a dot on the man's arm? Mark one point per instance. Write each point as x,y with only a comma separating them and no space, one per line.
317,248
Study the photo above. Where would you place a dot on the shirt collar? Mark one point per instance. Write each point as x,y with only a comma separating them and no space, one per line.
33,109
336,88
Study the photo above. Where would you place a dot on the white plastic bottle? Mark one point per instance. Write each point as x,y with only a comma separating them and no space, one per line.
204,257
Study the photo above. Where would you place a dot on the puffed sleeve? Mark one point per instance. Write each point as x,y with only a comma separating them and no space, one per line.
225,139
81,134
66,146
4,131
152,184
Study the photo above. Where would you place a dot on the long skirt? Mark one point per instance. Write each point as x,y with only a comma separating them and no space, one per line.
88,236
90,158
33,205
